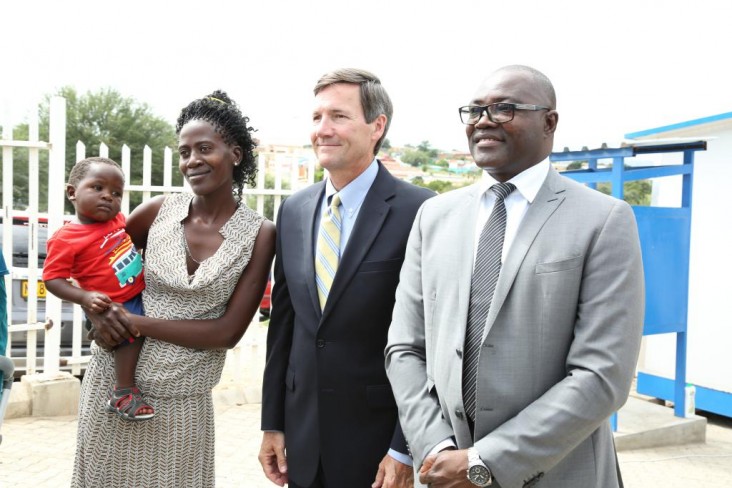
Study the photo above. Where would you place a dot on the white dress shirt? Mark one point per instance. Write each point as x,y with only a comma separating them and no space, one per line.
352,197
528,183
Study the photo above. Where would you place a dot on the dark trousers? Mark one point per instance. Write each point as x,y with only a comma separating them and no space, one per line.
318,482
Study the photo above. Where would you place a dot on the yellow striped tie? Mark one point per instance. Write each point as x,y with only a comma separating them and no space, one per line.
328,250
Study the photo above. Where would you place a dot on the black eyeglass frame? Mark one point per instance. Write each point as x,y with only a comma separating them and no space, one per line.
465,111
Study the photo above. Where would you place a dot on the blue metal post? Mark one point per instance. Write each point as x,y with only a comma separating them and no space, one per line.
592,166
680,379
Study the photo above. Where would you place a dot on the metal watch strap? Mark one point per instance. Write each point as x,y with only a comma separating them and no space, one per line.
473,456
476,463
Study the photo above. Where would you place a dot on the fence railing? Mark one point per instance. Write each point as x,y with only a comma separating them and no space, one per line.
30,313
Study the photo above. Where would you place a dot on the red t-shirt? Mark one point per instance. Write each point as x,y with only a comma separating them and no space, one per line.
100,257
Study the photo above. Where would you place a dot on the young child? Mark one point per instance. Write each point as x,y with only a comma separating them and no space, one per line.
97,252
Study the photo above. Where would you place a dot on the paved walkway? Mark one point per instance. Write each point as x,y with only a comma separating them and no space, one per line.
38,452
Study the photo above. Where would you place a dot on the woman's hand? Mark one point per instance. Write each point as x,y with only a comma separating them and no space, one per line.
111,327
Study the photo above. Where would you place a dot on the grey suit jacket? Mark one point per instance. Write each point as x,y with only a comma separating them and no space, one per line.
561,343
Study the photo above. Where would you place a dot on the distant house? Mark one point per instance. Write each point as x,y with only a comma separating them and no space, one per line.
400,170
461,165
287,156
709,363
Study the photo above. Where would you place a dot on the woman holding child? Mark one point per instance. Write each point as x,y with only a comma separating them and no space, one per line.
207,257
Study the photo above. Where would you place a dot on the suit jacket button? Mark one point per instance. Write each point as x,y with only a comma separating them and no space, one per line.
459,353
320,343
459,413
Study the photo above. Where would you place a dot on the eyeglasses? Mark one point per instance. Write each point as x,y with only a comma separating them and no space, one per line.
498,113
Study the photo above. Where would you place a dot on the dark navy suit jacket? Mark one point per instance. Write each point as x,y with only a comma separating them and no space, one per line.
325,384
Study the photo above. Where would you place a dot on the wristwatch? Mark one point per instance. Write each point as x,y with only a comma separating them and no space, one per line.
478,472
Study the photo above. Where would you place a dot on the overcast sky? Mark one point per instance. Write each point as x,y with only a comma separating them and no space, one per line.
618,66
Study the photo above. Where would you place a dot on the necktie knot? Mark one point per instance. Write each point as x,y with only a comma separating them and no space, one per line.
502,190
335,201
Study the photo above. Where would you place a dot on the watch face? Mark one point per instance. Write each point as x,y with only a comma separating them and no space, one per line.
479,475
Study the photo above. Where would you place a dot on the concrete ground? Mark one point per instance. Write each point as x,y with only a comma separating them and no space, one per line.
38,452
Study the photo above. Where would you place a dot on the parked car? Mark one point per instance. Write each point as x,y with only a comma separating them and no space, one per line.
18,295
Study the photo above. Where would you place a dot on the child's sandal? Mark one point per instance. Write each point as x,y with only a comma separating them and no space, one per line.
126,402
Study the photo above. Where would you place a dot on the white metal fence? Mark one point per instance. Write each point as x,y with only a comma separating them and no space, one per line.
287,167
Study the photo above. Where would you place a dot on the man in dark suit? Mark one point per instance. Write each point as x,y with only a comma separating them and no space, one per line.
328,413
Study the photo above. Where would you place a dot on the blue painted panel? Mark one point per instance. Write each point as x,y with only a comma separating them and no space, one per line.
655,386
665,236
707,399
630,174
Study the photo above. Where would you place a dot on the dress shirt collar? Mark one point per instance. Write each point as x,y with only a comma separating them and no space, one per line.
528,182
353,194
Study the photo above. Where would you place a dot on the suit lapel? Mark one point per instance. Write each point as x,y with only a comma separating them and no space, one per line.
468,212
371,218
308,212
550,196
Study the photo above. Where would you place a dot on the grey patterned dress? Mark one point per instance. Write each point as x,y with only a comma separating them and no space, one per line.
176,448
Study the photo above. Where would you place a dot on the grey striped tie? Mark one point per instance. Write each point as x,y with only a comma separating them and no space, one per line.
482,286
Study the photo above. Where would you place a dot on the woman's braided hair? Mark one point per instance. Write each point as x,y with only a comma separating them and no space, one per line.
224,115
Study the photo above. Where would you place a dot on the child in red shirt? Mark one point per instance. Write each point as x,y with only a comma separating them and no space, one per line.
97,252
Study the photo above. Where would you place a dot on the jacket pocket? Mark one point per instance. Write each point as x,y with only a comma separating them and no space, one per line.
562,265
378,266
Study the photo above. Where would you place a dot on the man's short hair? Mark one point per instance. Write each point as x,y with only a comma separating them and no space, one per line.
374,99
540,79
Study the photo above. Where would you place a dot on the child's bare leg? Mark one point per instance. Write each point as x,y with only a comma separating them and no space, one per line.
125,363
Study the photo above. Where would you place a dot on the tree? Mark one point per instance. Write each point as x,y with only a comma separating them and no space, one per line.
438,186
103,116
416,157
637,192
386,145
424,146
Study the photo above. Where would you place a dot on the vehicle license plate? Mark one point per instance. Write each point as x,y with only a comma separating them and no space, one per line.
40,289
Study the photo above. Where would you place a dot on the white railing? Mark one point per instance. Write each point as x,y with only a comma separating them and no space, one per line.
289,167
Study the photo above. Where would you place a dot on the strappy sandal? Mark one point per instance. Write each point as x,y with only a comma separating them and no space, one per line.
126,402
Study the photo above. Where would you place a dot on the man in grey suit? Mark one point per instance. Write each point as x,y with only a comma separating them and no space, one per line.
558,339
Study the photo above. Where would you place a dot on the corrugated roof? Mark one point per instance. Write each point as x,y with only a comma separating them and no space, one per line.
719,121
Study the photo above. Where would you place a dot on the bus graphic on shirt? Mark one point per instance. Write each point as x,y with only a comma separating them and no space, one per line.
128,267
126,262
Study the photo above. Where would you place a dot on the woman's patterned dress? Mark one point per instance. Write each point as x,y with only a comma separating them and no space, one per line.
175,448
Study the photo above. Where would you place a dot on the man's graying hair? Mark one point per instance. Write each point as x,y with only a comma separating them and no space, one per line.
374,99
